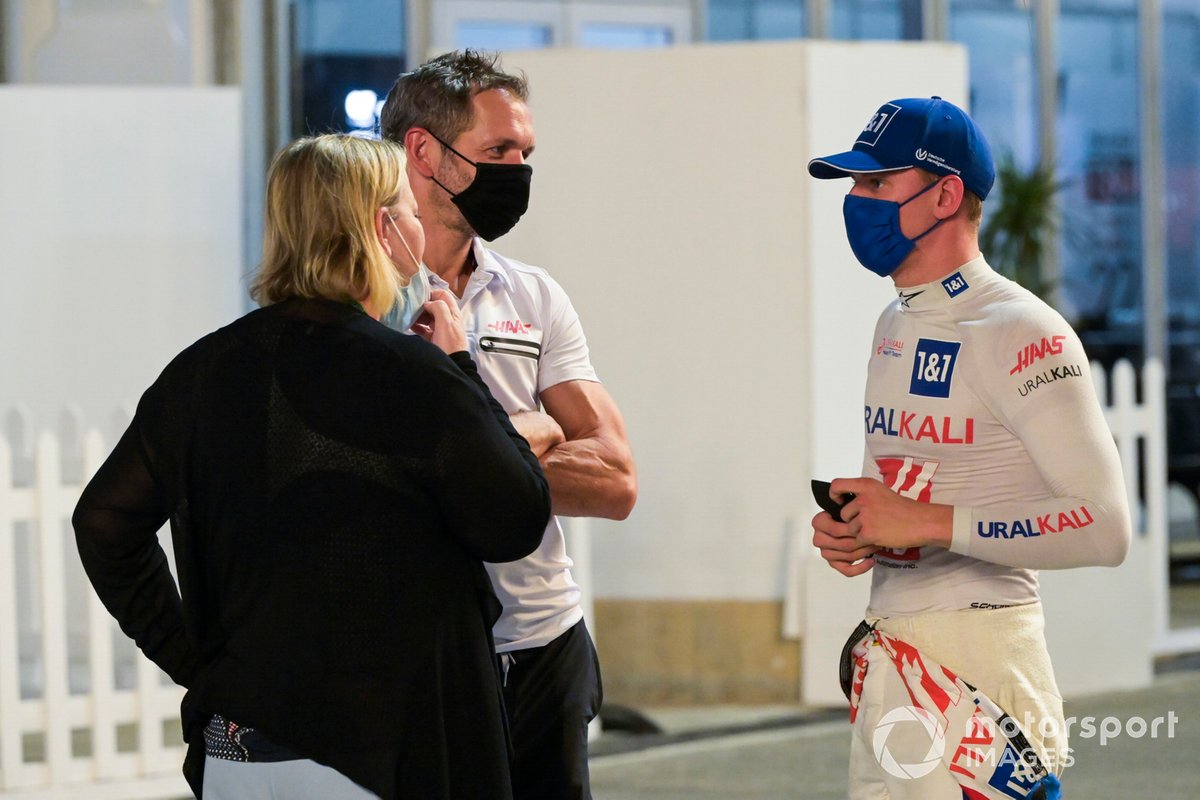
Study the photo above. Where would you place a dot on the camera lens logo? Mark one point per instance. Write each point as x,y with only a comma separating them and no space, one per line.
906,717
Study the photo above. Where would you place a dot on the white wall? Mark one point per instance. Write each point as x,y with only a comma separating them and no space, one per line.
120,239
724,310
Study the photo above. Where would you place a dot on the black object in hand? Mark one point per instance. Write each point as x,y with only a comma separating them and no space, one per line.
820,490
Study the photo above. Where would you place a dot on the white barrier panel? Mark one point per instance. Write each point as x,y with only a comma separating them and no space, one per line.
714,281
1103,625
84,714
92,310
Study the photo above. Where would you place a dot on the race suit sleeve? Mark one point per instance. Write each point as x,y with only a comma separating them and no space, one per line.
1046,398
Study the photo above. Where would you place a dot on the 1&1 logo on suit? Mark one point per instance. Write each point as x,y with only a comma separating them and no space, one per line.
933,367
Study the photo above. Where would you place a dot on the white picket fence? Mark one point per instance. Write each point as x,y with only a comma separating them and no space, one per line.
82,713
1132,422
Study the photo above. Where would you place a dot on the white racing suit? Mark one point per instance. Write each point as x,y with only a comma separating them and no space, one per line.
979,396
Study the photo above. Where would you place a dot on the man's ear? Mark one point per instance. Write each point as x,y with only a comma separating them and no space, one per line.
949,197
419,146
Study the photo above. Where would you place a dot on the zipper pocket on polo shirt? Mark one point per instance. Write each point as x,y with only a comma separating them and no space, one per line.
512,347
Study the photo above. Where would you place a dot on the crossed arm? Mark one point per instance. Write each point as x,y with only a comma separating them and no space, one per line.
581,442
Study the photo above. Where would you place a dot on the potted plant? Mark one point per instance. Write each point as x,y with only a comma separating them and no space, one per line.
1018,228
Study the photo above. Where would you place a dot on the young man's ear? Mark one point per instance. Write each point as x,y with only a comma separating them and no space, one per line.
950,197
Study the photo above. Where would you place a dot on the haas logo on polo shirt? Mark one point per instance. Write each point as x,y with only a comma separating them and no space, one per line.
511,337
509,326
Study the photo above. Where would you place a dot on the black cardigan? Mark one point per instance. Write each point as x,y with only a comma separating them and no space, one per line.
332,488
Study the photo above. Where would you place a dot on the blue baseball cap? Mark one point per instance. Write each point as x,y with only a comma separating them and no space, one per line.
931,134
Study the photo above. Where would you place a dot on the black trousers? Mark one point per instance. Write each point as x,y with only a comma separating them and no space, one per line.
551,693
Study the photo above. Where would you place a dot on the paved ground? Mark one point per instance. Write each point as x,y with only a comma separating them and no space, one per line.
787,753
795,757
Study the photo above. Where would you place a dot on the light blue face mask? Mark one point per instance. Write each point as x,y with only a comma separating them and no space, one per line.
412,297
873,228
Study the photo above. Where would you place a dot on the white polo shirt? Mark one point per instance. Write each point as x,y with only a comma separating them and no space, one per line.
525,337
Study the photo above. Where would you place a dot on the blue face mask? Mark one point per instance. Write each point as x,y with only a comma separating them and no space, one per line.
873,228
411,299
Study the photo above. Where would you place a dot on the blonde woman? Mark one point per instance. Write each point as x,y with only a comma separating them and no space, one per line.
332,623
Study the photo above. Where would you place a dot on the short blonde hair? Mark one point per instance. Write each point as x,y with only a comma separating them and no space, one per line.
974,207
319,236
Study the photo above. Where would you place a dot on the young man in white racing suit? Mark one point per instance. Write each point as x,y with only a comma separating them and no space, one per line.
987,459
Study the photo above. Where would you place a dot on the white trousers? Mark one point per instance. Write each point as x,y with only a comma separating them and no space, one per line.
1002,652
280,780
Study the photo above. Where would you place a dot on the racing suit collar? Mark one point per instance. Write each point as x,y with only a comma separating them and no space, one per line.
945,290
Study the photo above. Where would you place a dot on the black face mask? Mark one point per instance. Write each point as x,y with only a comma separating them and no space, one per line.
497,197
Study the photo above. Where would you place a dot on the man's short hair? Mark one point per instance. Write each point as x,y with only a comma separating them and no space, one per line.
437,95
974,206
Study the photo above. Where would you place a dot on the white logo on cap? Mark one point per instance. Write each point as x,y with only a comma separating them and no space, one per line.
877,124
925,155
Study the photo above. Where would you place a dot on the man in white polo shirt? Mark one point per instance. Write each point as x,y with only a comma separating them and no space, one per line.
466,127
